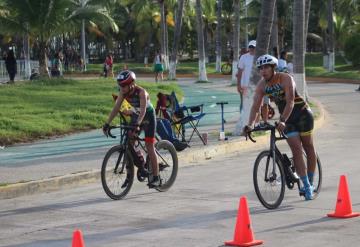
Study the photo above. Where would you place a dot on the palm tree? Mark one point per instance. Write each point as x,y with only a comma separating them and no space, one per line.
177,35
299,46
330,28
44,19
262,47
218,35
236,38
307,14
201,48
274,40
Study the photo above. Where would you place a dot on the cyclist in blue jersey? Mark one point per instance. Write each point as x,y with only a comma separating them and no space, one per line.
296,118
142,114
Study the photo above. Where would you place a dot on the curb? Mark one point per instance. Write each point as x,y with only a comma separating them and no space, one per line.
185,158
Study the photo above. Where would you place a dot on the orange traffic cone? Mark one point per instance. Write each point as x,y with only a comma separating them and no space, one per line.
243,235
78,240
343,203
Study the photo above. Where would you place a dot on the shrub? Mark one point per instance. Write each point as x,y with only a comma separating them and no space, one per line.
352,49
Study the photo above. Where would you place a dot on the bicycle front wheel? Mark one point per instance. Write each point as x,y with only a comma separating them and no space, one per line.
269,180
117,173
168,164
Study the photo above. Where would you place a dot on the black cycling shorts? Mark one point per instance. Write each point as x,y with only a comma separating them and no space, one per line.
148,124
300,123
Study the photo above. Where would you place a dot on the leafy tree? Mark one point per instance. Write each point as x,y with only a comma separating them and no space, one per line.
44,19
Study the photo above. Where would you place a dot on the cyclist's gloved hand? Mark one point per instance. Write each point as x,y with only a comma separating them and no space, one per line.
105,129
247,129
281,126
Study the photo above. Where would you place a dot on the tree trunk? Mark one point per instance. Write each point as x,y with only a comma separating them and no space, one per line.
246,35
274,41
201,48
218,35
307,14
27,56
262,47
299,46
43,60
83,44
331,50
166,55
236,40
163,32
177,35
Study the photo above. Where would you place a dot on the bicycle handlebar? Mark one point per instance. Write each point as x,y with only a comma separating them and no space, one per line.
121,126
265,127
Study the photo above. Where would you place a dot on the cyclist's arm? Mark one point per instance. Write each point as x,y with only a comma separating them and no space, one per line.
258,98
289,88
143,95
116,108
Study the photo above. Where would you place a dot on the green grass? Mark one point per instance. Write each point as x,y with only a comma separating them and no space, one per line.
314,68
43,108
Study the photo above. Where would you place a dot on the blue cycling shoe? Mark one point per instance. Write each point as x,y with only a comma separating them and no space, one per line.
309,192
302,190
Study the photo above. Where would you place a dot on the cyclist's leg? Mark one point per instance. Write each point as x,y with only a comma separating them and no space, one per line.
136,152
306,126
149,126
294,142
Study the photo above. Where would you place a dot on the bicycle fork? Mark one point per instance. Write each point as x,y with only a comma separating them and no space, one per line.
272,177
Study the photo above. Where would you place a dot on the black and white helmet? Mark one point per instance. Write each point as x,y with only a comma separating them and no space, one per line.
126,77
266,59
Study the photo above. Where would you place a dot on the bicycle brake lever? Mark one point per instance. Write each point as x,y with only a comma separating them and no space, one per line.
250,137
109,132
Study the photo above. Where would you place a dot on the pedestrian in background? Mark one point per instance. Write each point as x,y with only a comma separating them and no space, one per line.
158,66
56,65
108,66
11,66
282,63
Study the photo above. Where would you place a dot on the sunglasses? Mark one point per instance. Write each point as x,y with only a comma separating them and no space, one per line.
122,86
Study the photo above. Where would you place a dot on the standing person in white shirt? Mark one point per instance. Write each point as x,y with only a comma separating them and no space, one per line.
244,68
245,65
282,63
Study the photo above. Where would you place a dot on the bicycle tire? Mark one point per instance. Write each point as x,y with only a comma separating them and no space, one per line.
226,69
168,172
261,160
114,183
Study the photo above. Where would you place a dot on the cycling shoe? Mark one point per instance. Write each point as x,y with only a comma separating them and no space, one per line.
309,193
143,171
156,182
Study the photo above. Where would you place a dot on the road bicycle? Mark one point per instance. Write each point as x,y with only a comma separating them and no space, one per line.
117,171
273,170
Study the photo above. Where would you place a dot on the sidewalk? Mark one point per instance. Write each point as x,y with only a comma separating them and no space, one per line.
76,171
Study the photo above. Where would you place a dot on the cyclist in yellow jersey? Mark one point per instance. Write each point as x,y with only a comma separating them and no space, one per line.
296,118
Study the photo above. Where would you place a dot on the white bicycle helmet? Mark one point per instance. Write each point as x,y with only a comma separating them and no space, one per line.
266,59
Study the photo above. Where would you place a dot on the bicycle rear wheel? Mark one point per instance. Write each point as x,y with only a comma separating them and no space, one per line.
269,180
117,173
168,164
